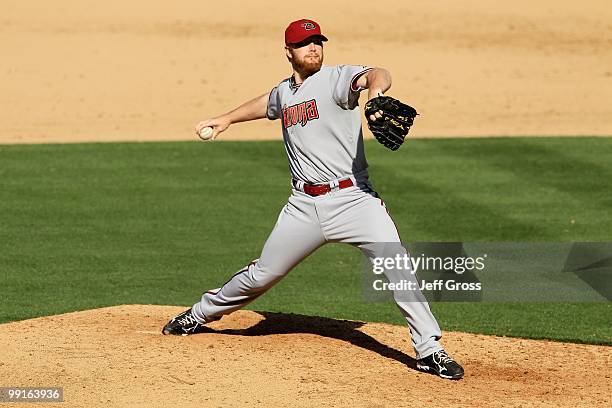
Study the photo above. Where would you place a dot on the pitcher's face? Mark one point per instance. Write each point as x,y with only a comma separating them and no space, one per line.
307,56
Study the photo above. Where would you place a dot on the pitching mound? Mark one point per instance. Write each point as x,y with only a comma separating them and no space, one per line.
117,357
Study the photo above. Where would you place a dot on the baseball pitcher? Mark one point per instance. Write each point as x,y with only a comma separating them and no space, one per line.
332,199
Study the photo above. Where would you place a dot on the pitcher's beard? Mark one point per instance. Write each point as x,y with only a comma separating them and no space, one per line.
308,66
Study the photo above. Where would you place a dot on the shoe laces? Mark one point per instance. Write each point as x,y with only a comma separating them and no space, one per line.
442,357
187,319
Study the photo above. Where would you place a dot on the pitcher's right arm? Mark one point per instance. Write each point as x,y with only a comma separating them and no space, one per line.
254,109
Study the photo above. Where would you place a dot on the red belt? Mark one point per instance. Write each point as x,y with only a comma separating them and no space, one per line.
320,189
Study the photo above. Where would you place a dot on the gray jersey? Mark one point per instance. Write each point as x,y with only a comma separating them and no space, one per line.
321,124
322,131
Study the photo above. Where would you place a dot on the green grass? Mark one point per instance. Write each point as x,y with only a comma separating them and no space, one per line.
91,225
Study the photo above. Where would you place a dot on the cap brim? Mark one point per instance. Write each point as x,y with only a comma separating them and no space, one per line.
321,36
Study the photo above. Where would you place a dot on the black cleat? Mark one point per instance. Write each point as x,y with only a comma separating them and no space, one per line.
183,325
441,364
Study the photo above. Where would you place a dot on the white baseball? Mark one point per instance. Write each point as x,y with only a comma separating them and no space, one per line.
205,133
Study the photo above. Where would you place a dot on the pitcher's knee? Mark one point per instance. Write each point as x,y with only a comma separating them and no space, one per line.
264,277
256,278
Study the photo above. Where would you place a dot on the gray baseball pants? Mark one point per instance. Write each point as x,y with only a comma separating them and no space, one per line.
355,216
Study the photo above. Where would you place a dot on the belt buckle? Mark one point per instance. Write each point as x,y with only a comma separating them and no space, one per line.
334,185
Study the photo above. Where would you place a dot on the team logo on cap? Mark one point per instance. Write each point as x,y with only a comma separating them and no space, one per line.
309,26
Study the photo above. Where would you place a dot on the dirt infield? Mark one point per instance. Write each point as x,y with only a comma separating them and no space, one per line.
117,357
84,70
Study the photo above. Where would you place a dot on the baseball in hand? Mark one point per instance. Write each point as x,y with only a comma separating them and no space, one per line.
205,133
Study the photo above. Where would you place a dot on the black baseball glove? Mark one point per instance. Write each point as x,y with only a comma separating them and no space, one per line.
397,117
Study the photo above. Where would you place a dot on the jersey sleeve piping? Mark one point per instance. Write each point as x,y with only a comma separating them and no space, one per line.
356,77
268,105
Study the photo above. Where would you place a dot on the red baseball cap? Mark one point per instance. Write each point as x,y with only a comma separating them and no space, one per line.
300,30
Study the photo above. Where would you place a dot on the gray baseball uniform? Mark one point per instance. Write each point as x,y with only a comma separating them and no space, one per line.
321,127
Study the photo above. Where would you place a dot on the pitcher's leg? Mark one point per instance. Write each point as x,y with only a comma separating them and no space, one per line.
363,221
295,236
424,328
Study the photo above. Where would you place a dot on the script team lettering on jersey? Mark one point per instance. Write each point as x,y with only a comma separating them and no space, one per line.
300,113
